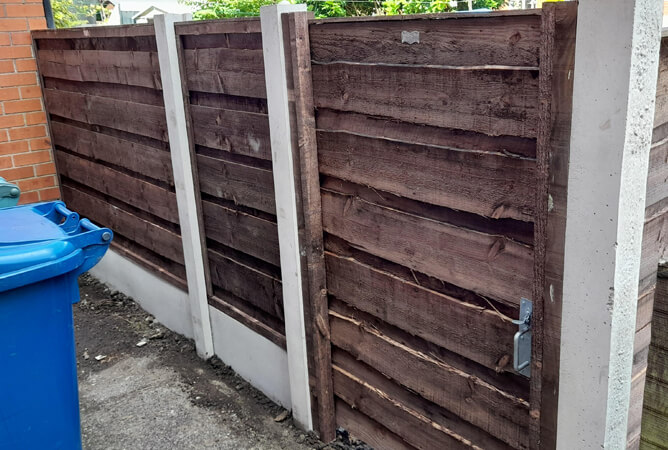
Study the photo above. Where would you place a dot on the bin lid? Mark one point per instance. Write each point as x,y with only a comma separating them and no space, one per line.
46,240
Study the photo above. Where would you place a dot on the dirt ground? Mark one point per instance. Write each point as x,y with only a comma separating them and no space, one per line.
143,387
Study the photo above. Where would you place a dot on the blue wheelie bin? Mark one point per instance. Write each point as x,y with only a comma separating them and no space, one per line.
43,249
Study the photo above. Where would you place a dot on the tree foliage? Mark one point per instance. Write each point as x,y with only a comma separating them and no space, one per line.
213,9
68,14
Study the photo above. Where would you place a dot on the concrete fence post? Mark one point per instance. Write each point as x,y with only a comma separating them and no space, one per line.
615,76
187,199
286,207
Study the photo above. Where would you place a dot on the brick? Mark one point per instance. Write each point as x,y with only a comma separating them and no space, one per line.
24,11
5,39
28,197
7,66
21,38
49,194
6,162
23,106
16,51
32,158
37,24
12,148
26,65
35,118
16,134
37,183
3,136
40,144
9,94
14,25
18,79
15,120
20,173
31,92
45,169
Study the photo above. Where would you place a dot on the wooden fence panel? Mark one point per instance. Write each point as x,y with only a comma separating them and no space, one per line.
427,158
224,79
103,97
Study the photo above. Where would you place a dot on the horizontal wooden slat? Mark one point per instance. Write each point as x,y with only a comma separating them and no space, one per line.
474,332
97,32
237,25
248,234
247,320
492,185
231,102
396,407
150,235
383,127
257,288
250,41
660,330
226,82
145,120
489,265
459,15
225,59
478,403
233,131
366,429
138,193
127,68
657,363
418,431
143,159
494,102
136,94
654,429
244,185
475,41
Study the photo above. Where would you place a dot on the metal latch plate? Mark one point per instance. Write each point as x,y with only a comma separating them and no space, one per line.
522,352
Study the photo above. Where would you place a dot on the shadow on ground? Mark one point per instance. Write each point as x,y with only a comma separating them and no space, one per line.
143,387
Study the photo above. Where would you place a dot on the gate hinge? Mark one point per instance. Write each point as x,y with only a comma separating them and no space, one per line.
522,351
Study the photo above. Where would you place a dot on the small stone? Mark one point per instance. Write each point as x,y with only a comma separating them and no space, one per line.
282,416
86,355
100,357
148,319
142,343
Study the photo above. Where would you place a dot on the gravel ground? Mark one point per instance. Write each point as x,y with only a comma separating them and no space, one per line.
143,387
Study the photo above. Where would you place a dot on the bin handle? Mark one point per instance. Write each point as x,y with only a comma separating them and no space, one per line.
71,219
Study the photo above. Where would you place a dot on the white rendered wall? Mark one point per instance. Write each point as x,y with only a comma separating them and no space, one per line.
616,65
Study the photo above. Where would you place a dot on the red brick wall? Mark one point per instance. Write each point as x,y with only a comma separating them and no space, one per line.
25,150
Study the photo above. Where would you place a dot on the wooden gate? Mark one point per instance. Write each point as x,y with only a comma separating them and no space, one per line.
435,137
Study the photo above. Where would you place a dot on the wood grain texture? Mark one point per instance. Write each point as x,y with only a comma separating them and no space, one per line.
657,177
237,132
450,138
127,68
367,430
492,185
141,194
494,102
96,32
138,43
138,118
479,334
490,265
244,232
244,185
478,403
250,41
475,41
236,25
373,393
143,159
154,237
309,217
257,288
557,59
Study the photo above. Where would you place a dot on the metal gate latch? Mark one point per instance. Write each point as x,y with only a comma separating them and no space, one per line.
522,353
